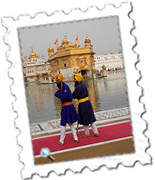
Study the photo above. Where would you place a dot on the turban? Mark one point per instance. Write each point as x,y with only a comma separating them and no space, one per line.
78,77
59,76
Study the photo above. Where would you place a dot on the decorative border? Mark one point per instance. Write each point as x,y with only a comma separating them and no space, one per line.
16,8
143,18
142,15
10,166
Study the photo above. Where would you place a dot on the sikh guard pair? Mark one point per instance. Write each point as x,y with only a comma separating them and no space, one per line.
69,115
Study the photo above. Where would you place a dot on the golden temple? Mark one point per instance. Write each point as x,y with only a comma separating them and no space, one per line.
71,58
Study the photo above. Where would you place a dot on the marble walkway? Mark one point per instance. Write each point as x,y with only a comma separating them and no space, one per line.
103,117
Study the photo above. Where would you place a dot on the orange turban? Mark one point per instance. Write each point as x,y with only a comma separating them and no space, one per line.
59,76
78,77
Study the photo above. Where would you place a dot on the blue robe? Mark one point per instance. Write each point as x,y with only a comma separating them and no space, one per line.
68,114
85,109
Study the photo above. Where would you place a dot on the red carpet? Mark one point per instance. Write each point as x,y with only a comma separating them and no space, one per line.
107,133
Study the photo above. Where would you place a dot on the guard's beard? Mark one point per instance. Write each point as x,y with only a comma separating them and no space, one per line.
76,83
59,85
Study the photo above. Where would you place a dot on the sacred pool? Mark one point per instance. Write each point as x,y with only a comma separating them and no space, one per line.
104,93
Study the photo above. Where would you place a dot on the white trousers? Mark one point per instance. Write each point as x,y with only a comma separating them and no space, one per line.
63,132
93,126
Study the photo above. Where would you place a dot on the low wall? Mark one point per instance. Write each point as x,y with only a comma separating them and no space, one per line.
102,117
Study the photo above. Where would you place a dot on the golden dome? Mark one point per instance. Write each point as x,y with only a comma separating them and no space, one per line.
70,45
32,54
64,41
50,49
42,55
25,57
104,67
87,40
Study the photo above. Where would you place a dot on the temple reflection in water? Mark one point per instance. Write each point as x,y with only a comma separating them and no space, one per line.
104,94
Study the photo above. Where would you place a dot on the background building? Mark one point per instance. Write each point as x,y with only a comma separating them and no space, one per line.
111,61
71,58
35,67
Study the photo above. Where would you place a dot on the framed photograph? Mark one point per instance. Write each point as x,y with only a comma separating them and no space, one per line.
75,84
103,74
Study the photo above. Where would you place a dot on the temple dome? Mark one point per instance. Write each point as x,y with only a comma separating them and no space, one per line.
70,45
50,49
64,41
87,40
33,55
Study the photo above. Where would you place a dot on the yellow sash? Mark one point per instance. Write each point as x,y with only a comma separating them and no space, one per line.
83,99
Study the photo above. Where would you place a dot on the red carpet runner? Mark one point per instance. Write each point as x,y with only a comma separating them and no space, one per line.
107,133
